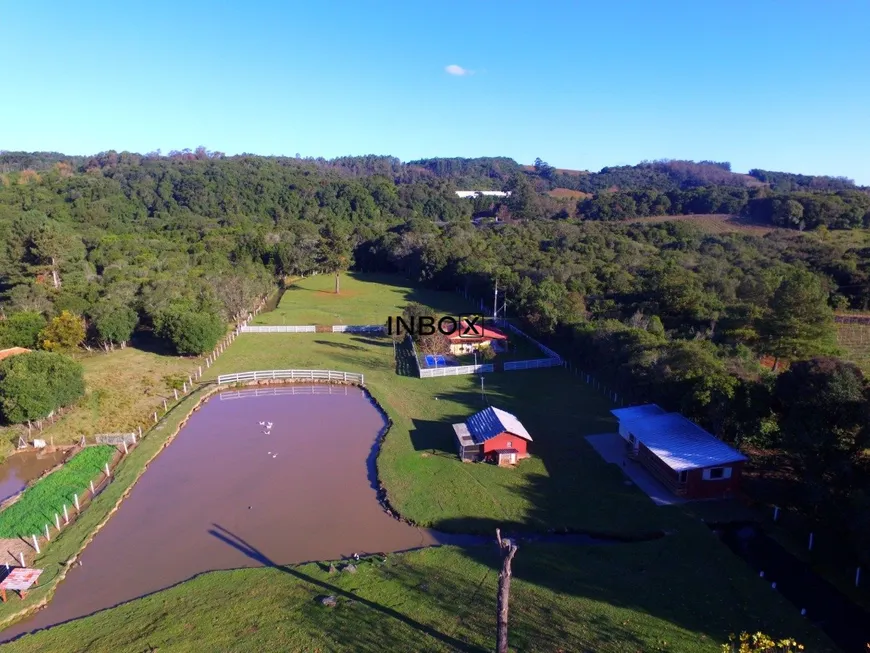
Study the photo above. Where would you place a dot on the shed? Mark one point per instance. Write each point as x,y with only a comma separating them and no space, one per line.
684,457
492,434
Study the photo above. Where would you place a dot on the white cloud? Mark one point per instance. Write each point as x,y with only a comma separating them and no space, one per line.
459,71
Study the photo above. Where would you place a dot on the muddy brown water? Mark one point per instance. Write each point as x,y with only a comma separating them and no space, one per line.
226,495
21,468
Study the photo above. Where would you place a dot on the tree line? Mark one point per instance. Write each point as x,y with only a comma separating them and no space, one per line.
121,246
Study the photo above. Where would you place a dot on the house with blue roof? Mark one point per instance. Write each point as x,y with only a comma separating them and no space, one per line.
493,435
688,460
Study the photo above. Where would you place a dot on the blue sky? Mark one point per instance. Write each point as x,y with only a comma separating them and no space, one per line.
774,85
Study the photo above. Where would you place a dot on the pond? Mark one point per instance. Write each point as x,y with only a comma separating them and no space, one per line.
231,492
22,467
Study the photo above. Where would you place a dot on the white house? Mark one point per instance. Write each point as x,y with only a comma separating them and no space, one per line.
486,193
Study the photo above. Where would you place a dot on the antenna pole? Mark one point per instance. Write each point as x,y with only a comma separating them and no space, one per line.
495,301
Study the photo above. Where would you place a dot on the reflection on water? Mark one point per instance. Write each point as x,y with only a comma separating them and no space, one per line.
295,491
21,468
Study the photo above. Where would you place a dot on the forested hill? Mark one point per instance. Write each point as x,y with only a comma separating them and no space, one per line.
94,250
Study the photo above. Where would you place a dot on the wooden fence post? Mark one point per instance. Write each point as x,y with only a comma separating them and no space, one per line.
108,473
76,498
508,550
21,558
57,521
175,393
92,488
164,406
35,543
47,536
65,515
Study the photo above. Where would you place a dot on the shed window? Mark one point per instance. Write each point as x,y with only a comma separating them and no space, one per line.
510,443
717,473
684,476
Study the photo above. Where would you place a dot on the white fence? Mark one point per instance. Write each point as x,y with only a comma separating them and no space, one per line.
292,375
458,370
277,329
532,364
370,328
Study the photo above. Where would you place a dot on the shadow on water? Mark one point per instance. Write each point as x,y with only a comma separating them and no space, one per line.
252,552
828,608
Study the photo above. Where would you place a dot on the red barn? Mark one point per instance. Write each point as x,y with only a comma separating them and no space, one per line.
680,454
493,435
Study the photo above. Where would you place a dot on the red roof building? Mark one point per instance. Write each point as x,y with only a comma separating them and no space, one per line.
465,339
685,458
493,435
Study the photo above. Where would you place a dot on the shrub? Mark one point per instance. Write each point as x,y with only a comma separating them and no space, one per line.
114,323
746,643
190,332
21,329
63,333
35,384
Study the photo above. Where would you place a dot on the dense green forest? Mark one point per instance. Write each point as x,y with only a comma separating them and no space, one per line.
735,330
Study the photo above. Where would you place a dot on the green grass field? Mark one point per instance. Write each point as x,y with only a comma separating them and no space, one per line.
683,592
123,388
418,464
39,503
679,594
364,299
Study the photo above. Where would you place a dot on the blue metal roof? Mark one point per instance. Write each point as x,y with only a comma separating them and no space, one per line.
678,442
489,422
636,412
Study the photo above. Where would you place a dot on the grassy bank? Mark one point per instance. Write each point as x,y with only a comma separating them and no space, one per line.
69,542
364,299
123,388
418,465
40,502
667,595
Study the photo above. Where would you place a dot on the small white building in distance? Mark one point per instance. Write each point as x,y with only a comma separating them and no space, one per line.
488,193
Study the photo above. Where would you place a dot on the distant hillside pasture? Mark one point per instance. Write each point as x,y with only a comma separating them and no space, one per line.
714,224
364,299
567,193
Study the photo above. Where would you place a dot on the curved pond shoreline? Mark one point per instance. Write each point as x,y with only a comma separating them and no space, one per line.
427,537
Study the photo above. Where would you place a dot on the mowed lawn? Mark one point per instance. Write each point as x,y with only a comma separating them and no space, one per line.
564,485
364,299
123,388
679,594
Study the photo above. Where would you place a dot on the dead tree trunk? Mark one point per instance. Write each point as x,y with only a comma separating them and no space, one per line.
508,549
337,285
